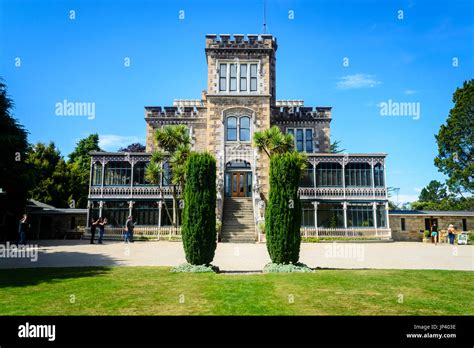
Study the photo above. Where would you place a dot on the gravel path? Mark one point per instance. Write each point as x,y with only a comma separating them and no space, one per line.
244,257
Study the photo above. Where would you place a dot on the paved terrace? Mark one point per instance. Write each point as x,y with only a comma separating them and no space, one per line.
248,257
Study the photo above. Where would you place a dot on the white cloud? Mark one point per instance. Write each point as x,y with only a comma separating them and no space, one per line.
357,81
403,198
417,189
410,91
112,142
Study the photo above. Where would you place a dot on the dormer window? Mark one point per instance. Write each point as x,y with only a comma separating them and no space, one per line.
238,77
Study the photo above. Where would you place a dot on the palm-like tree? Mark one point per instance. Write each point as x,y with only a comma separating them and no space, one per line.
173,146
273,141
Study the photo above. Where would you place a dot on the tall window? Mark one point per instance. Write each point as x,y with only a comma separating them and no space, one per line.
117,173
233,77
253,77
146,212
232,128
309,140
244,129
307,177
303,139
330,215
307,214
381,216
329,175
360,216
222,77
243,77
358,174
238,129
139,173
97,174
166,177
378,175
116,212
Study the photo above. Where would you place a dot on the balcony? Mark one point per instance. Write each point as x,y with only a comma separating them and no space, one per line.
128,192
343,193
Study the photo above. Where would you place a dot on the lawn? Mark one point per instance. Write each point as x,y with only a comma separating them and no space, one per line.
156,291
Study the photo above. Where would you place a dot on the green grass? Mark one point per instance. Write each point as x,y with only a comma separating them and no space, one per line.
156,291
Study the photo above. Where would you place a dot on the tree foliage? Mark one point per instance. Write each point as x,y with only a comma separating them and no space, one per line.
283,213
79,169
51,179
456,140
272,141
335,147
14,173
174,147
135,147
199,215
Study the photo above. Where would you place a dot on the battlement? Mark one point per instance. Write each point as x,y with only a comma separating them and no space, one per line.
295,113
180,108
240,41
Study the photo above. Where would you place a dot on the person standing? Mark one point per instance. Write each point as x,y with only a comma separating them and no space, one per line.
22,229
434,233
129,225
451,234
93,228
102,222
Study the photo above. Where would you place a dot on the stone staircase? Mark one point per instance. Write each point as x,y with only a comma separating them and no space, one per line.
237,222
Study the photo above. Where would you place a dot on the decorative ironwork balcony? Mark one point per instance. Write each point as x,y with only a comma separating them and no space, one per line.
342,193
97,192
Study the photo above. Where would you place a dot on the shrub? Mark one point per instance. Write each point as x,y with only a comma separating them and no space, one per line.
199,214
283,214
426,234
286,268
187,268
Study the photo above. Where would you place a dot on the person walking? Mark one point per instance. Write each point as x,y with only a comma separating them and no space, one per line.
22,229
93,228
434,233
451,234
101,223
129,225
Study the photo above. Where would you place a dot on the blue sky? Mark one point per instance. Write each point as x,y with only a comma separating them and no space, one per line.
403,57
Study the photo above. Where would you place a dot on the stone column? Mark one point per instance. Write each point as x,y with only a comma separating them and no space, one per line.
374,211
315,204
130,207
344,207
101,206
386,215
160,206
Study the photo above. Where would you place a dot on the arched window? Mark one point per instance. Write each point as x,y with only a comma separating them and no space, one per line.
232,128
307,177
378,175
97,174
238,129
244,129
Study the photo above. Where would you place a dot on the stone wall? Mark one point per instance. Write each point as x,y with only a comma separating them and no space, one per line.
415,225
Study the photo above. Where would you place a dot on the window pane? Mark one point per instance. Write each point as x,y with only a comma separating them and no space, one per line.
233,77
244,129
232,122
253,77
253,70
223,77
232,134
299,140
243,77
309,140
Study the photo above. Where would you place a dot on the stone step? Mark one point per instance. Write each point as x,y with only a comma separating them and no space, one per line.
235,240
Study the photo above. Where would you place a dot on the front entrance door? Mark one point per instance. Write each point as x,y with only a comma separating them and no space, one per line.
239,185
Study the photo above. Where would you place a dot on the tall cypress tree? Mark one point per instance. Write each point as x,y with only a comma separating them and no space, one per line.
283,214
199,214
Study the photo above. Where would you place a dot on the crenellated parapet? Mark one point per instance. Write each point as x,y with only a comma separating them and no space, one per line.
300,113
240,41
